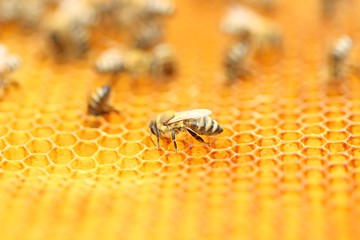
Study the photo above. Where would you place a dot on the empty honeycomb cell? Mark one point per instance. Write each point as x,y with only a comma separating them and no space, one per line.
64,139
314,176
133,135
83,163
354,141
136,124
336,125
355,164
220,143
15,153
221,154
354,129
47,119
355,152
40,131
267,142
313,141
311,109
109,141
267,132
81,174
355,118
106,170
39,146
88,133
313,130
290,136
267,122
335,147
67,126
228,132
5,118
126,174
312,120
85,149
17,137
290,126
3,130
14,166
290,158
337,158
219,164
243,159
266,164
290,168
70,115
174,158
338,170
266,152
176,168
243,127
336,135
314,152
107,157
150,166
2,144
113,129
40,161
22,124
290,147
60,155
191,161
244,148
130,148
287,117
198,150
33,172
129,162
244,138
152,154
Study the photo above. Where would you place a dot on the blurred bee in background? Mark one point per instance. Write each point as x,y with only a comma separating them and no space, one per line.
196,122
99,102
163,63
147,36
337,59
158,63
235,62
267,5
8,64
67,28
245,24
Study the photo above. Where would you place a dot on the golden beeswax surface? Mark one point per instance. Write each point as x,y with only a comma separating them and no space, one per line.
287,165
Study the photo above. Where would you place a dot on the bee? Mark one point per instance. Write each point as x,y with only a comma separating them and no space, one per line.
338,56
8,64
110,61
235,61
163,62
247,25
156,8
148,35
99,102
196,122
67,28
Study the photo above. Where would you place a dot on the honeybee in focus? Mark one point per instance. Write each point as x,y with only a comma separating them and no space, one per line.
245,24
99,102
8,64
235,62
337,59
196,122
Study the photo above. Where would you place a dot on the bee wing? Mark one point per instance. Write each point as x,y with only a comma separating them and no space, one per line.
191,114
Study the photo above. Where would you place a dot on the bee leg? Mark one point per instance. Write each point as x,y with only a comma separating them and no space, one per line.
195,135
173,139
158,138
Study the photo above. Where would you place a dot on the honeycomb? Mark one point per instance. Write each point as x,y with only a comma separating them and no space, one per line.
287,165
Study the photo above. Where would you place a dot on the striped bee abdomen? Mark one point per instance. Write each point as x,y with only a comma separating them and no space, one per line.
204,126
98,103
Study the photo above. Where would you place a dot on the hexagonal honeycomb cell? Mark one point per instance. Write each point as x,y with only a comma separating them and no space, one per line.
286,166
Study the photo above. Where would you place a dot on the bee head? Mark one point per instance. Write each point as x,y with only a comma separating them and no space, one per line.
153,128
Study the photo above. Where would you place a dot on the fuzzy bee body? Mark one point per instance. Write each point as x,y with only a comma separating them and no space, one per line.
196,122
235,61
99,102
148,35
337,57
163,62
110,61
